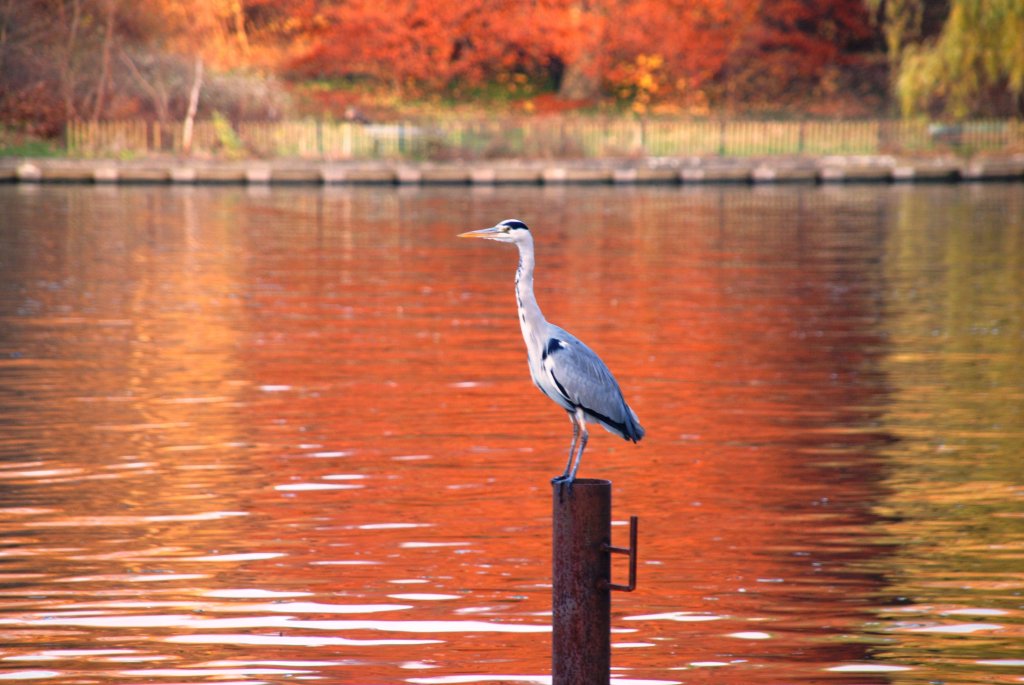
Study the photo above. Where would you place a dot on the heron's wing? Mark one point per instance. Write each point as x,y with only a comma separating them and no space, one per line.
581,378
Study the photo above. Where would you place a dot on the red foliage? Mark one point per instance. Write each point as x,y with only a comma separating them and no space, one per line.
794,43
764,45
409,43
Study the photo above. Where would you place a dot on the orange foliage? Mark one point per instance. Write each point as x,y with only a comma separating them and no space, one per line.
412,44
697,45
216,30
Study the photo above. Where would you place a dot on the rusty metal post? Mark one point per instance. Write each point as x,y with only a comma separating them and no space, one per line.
581,593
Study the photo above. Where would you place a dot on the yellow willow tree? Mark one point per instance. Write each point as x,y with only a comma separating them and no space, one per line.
901,24
974,67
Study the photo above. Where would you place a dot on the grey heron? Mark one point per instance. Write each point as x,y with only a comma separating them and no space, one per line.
562,367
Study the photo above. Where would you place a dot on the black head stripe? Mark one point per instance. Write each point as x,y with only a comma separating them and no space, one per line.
513,224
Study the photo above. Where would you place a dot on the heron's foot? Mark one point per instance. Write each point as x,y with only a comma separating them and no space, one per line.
564,482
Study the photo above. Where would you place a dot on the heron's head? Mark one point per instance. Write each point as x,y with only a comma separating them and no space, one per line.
507,231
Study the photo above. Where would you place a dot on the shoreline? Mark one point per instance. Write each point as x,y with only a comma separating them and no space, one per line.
665,171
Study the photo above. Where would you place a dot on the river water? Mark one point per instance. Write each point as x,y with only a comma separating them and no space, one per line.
264,435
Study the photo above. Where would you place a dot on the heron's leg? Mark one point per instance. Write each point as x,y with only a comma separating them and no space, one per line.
572,446
582,446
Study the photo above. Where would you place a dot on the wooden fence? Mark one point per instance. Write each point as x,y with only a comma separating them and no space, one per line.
541,138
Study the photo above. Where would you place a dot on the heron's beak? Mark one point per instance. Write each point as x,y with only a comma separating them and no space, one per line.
482,233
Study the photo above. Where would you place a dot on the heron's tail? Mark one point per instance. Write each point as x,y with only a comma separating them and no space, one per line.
632,428
629,427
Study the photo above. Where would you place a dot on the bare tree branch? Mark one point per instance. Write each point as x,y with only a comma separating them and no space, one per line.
156,93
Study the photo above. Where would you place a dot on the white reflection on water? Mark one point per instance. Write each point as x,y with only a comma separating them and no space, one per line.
252,593
307,487
956,629
750,635
681,616
868,668
427,545
29,675
968,611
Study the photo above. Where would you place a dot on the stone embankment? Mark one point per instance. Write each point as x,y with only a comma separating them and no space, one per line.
612,172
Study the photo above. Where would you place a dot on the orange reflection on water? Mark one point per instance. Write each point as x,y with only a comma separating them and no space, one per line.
258,433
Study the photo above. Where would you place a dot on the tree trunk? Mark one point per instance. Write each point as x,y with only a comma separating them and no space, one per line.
238,14
5,24
108,40
580,81
193,107
581,78
67,70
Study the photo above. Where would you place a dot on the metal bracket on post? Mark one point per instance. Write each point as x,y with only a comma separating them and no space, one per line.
631,551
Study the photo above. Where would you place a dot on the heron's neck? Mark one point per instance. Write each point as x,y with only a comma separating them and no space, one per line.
531,319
